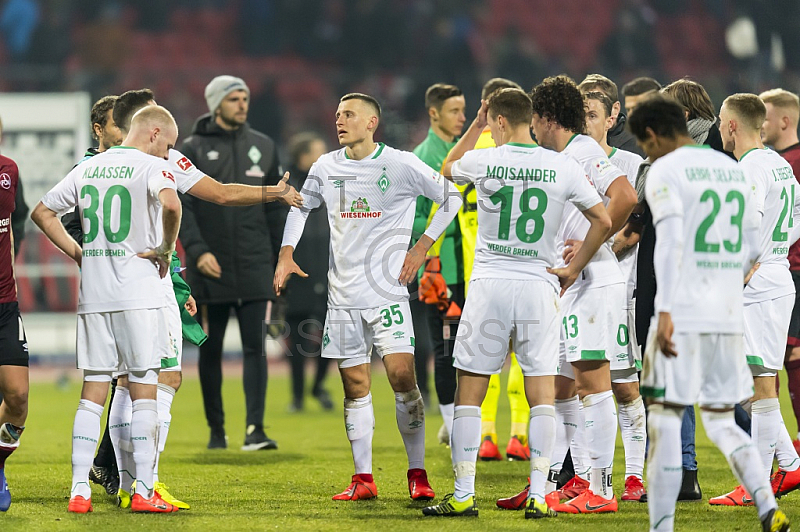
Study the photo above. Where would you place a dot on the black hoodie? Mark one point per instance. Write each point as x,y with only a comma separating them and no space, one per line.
244,240
619,137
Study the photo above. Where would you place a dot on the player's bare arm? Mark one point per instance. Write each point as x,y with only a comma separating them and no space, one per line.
664,334
286,267
626,239
600,222
414,259
50,225
467,141
623,199
237,195
171,220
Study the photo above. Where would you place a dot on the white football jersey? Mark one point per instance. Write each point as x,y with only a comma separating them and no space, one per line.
711,195
603,269
776,197
521,191
370,206
116,193
186,173
628,163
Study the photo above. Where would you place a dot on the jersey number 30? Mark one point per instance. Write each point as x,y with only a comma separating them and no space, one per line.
90,213
505,197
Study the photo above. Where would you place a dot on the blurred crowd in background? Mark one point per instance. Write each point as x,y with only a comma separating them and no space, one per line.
298,56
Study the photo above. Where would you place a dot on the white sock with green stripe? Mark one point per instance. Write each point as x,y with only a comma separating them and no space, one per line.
785,452
119,430
765,427
464,444
144,438
410,414
632,425
601,436
579,447
568,416
664,468
164,396
541,437
85,433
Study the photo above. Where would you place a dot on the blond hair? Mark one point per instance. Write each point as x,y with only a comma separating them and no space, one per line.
152,116
748,108
783,99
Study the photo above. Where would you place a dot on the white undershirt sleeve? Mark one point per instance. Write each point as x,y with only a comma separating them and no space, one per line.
667,260
295,223
446,214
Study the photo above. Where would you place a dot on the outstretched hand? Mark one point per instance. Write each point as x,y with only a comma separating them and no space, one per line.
285,268
287,194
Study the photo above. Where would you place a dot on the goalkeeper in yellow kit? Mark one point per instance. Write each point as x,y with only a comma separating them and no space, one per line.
434,293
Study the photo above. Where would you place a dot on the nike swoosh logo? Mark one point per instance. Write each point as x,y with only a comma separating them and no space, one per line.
591,508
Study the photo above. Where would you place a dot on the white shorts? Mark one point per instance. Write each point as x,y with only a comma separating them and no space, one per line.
172,355
129,339
351,334
593,326
766,328
710,370
499,310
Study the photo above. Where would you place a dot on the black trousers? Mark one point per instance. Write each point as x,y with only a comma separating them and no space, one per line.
305,335
444,374
250,315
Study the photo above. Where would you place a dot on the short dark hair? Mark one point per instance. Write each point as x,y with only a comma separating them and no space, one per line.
495,84
608,105
300,144
513,104
364,98
749,108
662,114
693,97
100,109
438,93
595,82
559,99
640,86
127,104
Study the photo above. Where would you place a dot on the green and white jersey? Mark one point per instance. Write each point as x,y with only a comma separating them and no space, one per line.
371,205
774,190
603,269
522,191
628,163
116,193
709,193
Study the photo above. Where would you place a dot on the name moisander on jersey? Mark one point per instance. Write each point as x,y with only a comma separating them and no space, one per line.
543,175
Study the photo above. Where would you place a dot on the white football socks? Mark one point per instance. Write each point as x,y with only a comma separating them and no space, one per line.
119,430
632,425
664,465
359,422
568,417
164,396
85,433
410,413
541,438
765,427
579,447
464,443
447,412
785,452
144,439
742,456
601,435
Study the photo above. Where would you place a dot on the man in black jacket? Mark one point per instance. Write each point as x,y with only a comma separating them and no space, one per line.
617,136
229,251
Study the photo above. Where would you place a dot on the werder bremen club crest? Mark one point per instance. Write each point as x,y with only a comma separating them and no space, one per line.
383,181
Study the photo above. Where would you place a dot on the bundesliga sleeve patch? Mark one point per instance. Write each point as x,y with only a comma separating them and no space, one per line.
184,164
168,175
603,166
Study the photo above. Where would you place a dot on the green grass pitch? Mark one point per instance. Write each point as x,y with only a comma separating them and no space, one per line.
291,488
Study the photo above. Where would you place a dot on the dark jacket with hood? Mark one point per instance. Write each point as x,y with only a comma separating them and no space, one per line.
244,240
619,137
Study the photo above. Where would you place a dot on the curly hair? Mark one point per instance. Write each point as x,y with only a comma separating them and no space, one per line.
558,98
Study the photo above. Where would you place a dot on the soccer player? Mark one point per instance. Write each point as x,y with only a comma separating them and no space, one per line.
192,181
627,363
13,343
617,135
370,190
780,132
707,239
522,191
121,194
445,106
637,90
769,293
592,310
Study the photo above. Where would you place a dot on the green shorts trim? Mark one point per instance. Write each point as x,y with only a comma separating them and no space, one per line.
596,354
649,391
169,362
755,361
638,364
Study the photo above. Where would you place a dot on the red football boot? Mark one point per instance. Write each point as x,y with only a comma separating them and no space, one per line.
634,489
79,505
738,497
517,502
418,486
361,488
784,482
488,451
517,451
587,503
154,504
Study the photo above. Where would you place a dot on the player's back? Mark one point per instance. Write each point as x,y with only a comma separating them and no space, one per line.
120,215
774,193
521,193
709,192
